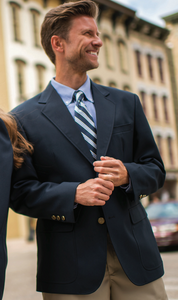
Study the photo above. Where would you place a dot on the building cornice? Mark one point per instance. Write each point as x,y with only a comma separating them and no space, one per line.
128,17
173,18
149,29
116,7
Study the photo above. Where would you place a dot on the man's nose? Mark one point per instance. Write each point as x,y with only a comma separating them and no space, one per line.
97,42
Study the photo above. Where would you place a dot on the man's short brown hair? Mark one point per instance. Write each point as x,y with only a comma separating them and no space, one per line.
58,21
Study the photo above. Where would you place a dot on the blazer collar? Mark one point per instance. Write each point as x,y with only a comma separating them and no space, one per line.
56,112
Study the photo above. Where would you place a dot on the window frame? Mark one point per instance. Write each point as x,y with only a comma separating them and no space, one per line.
20,71
35,15
15,12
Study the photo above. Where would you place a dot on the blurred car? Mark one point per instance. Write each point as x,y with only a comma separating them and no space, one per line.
164,221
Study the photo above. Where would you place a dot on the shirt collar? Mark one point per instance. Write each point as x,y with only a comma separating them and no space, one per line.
66,92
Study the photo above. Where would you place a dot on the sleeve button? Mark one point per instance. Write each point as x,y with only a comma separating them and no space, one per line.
63,218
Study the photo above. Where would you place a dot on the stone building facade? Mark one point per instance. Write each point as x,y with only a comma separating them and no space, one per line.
172,48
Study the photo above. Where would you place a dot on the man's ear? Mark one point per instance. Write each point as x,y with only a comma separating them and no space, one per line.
57,43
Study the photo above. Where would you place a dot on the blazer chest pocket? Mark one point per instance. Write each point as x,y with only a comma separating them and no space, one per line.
122,128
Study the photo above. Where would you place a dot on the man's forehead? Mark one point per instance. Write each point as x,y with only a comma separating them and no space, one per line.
83,22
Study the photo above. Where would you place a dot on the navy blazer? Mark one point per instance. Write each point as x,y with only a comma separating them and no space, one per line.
6,165
72,245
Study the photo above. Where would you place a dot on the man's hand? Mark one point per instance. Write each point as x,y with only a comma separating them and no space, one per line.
94,192
112,169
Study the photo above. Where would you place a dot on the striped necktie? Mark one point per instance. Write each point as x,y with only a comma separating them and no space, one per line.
85,122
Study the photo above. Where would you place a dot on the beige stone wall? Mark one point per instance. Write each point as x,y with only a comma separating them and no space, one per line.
172,42
160,88
40,2
17,226
50,3
4,102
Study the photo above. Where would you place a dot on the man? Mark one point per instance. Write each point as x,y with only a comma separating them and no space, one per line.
94,157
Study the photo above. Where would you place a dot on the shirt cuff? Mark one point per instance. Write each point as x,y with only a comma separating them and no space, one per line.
127,187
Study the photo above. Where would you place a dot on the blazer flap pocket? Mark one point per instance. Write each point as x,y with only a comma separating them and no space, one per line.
137,213
122,128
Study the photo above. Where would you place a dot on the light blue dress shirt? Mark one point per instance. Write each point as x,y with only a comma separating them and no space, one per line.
66,94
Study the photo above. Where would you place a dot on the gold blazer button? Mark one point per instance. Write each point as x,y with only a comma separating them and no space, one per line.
63,218
53,217
101,220
58,218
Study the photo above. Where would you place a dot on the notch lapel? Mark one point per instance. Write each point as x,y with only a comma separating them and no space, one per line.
105,113
57,113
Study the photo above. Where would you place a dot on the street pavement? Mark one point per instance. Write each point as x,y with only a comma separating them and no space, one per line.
170,260
21,272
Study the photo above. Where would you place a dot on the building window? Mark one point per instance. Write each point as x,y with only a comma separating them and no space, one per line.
169,141
112,84
150,67
20,69
108,52
40,75
97,80
165,109
138,62
15,9
126,88
154,99
143,100
36,27
159,143
123,56
160,68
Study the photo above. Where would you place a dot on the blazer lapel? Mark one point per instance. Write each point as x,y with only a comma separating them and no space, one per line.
56,112
105,112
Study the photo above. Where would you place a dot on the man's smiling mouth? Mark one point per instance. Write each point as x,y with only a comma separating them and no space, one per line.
92,53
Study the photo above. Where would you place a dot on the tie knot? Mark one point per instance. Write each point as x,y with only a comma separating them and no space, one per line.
78,96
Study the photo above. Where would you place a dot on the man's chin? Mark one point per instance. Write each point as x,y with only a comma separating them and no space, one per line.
92,66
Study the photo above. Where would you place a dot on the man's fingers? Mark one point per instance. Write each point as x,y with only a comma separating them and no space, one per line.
106,158
105,170
104,183
98,203
94,192
107,177
110,163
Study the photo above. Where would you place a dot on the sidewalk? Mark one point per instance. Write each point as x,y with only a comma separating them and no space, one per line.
20,284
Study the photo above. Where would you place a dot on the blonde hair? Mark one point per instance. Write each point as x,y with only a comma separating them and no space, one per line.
20,145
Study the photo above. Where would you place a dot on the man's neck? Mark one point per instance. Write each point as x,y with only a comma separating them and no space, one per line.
73,81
